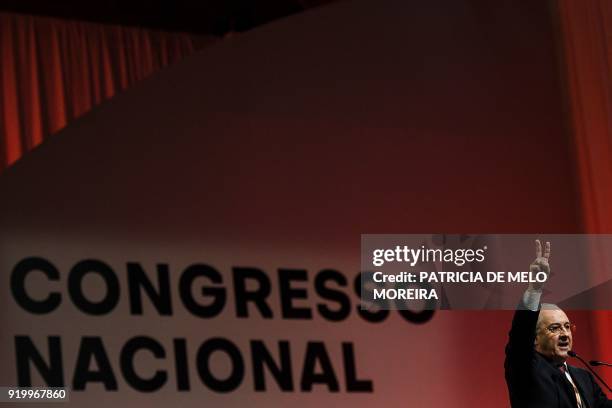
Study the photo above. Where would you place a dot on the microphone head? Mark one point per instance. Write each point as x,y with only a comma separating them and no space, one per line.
572,354
595,363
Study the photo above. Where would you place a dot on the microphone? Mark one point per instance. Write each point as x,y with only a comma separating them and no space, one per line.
596,363
573,354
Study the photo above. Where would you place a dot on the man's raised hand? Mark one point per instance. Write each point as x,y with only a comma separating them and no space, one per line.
540,264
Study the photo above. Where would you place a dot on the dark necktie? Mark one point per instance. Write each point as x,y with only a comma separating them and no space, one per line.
563,369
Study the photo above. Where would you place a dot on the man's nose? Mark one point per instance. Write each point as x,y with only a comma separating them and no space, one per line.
565,336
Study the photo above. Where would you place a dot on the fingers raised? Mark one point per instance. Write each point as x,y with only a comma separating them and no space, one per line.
538,248
547,250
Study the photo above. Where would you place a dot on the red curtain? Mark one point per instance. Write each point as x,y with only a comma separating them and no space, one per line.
52,71
587,44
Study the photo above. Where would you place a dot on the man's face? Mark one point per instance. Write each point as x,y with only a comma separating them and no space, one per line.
553,337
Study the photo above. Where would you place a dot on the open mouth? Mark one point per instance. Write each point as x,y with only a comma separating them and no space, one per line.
564,345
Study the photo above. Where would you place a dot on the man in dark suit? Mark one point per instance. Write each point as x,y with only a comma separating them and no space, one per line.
536,370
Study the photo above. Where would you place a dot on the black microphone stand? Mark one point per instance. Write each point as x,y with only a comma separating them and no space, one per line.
573,354
596,363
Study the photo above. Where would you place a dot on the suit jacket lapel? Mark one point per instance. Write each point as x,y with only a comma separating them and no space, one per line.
567,395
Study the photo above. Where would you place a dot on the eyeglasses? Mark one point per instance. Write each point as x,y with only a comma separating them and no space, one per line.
557,328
